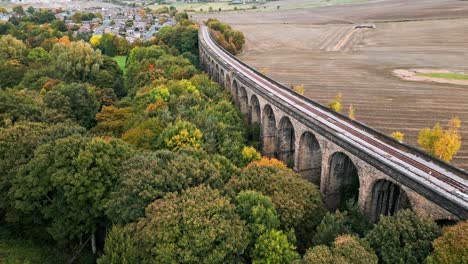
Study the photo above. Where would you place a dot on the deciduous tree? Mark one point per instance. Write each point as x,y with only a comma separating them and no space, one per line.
68,182
75,62
297,201
111,121
197,226
148,177
119,248
17,146
398,135
82,101
273,247
351,113
181,134
452,246
335,105
440,143
402,238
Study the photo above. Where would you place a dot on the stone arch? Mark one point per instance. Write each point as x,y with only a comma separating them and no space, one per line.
254,121
243,100
309,162
206,64
268,131
227,82
386,199
343,181
212,70
235,90
221,77
216,73
286,142
254,110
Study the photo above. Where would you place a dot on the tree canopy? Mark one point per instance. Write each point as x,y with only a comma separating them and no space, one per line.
67,182
403,238
208,229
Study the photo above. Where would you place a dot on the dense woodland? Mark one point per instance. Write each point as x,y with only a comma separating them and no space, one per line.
153,163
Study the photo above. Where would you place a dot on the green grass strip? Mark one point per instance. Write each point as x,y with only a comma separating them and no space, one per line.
451,76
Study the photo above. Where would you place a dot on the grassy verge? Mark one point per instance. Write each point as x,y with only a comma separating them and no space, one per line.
121,61
451,76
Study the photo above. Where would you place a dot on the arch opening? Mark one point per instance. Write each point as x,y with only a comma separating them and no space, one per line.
268,131
387,199
221,77
216,73
286,142
212,70
343,182
254,110
235,91
227,82
254,122
243,101
309,163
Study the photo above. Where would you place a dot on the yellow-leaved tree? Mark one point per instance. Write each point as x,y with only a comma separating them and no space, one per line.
299,89
398,135
351,113
95,40
250,154
335,105
440,143
181,134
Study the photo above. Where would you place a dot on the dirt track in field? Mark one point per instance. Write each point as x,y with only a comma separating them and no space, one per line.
306,46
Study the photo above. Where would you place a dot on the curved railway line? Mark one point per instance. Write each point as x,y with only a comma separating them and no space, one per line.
450,185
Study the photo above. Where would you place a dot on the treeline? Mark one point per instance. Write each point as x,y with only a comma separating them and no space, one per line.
153,166
231,40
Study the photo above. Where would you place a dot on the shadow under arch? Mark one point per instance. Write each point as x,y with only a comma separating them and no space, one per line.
309,163
268,132
243,101
286,142
343,181
386,199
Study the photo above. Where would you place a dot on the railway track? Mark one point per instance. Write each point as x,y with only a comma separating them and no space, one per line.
424,171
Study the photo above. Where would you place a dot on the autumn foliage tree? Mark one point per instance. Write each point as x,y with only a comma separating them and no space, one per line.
229,39
209,230
297,201
67,184
147,177
274,247
335,105
111,121
403,238
345,249
441,143
452,246
181,134
398,135
77,61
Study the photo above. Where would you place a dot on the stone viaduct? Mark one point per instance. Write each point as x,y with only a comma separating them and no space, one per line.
339,163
